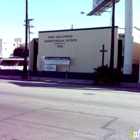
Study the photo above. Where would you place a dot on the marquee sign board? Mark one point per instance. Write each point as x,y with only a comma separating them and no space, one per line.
50,67
57,61
100,6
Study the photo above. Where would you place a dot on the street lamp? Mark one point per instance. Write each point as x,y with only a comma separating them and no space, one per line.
25,72
87,14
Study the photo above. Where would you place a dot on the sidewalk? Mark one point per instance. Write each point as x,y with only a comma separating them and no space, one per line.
49,80
69,81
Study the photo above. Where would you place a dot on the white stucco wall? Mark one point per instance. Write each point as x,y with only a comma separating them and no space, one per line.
84,50
6,47
31,54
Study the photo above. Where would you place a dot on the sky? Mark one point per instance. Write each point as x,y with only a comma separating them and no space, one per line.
56,15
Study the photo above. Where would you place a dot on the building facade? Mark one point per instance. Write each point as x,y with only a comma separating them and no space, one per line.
7,47
135,52
76,50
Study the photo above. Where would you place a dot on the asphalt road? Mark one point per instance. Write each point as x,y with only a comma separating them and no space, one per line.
48,111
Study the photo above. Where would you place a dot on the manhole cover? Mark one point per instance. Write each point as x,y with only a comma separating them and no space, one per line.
89,94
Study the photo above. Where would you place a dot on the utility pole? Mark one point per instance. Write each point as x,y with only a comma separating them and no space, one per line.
25,72
112,36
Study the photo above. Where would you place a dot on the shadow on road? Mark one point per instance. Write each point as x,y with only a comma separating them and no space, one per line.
71,86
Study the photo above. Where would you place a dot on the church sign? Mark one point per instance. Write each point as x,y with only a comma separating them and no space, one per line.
50,67
57,61
60,40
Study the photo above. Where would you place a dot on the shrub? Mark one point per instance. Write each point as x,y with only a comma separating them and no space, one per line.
20,51
103,75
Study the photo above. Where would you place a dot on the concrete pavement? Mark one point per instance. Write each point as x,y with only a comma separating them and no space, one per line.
34,112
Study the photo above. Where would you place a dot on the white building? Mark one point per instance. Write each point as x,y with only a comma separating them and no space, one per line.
79,50
7,46
76,50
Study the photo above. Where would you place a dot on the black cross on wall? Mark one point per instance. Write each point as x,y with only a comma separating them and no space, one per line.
103,53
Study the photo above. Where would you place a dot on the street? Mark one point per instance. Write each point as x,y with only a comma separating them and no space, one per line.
48,111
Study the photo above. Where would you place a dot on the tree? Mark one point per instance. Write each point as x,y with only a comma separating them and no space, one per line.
20,51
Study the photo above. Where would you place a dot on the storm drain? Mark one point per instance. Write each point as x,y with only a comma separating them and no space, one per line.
88,93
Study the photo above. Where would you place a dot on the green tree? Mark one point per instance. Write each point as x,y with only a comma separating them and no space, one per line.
19,51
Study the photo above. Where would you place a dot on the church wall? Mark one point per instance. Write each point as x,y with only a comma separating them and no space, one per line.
81,45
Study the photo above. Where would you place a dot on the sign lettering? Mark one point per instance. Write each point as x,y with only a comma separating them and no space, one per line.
60,39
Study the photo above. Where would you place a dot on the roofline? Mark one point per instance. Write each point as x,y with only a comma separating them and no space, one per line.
80,29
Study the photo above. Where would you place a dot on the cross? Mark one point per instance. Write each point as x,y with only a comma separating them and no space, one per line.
103,51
